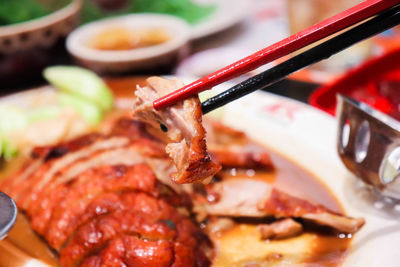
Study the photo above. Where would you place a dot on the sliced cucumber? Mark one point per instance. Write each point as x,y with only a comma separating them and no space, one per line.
43,113
89,111
8,150
82,83
12,119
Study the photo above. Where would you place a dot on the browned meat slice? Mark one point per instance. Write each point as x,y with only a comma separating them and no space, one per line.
67,219
40,155
280,229
51,152
42,205
152,220
68,202
135,252
95,234
233,149
8,186
183,124
37,181
244,197
191,246
133,153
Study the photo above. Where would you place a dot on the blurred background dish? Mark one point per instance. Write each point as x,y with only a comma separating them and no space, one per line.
206,17
226,14
139,42
33,37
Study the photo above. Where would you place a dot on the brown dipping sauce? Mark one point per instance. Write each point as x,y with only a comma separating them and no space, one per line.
241,245
122,38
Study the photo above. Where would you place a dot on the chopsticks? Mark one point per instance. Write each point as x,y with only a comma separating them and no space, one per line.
363,31
291,44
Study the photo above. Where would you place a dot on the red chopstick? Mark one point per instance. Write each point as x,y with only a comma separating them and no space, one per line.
295,42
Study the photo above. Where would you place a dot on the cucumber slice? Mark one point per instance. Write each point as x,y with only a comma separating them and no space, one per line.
9,151
43,113
82,83
89,111
1,149
12,119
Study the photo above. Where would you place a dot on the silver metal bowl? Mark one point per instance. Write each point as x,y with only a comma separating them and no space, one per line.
369,145
8,214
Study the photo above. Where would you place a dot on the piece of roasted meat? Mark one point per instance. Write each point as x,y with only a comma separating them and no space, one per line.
98,202
245,197
182,124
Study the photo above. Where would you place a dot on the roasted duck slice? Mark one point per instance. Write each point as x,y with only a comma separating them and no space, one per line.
183,126
233,149
44,174
47,162
245,197
40,155
160,222
129,154
61,208
133,251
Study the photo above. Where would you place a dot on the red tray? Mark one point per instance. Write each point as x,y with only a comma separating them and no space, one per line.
376,82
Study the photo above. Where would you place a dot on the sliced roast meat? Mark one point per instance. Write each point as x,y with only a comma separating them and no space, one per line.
182,123
94,235
41,207
69,205
133,153
40,155
64,224
159,221
37,181
133,251
245,197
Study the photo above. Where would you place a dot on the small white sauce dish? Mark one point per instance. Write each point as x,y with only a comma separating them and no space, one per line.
132,60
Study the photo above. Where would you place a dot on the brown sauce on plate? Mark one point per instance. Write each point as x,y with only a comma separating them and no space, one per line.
317,246
240,245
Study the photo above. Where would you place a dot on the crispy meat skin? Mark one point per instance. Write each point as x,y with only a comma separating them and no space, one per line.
50,162
244,197
40,155
133,251
29,189
74,198
186,135
156,221
102,183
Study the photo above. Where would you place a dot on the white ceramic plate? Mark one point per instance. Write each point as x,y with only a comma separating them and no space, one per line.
308,137
227,14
